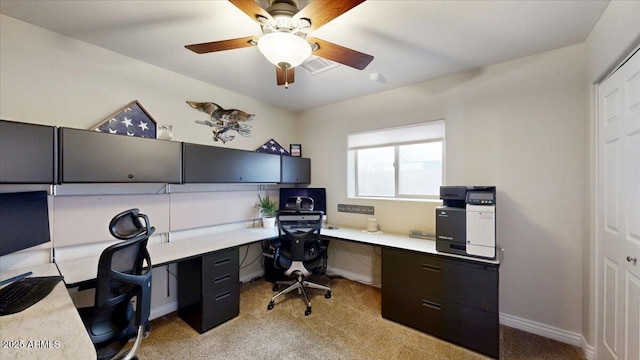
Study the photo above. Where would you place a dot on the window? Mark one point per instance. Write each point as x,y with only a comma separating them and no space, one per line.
399,162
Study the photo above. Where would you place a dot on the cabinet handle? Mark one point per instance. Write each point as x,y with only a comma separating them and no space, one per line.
222,262
432,268
632,260
221,279
222,296
431,305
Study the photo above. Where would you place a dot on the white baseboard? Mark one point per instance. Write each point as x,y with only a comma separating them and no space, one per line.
588,350
163,309
550,332
352,276
248,277
537,328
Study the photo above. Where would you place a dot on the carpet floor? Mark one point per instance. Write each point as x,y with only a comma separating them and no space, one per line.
346,326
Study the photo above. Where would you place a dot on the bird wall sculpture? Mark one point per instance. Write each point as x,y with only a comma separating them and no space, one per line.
223,120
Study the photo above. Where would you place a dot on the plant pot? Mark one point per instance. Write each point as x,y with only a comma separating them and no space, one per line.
268,222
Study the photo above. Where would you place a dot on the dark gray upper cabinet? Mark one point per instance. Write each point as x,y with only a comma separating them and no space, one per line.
94,157
27,153
295,170
213,164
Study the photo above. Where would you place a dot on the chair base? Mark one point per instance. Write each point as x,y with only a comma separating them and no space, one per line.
299,285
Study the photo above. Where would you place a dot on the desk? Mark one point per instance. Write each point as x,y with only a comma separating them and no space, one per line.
77,271
396,241
49,329
403,279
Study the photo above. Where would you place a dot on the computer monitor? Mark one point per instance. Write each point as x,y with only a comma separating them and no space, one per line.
24,221
319,196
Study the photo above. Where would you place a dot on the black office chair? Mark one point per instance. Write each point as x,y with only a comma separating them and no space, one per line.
299,251
124,272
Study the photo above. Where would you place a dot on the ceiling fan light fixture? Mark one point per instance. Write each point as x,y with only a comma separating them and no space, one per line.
284,47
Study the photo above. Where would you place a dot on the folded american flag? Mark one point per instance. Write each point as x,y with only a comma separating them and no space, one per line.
272,147
132,120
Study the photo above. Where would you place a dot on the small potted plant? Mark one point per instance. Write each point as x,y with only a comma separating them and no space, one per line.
268,210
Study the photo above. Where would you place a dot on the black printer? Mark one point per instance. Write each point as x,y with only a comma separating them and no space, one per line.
466,221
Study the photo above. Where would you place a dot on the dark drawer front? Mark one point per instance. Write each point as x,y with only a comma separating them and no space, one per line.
466,283
219,270
220,306
471,328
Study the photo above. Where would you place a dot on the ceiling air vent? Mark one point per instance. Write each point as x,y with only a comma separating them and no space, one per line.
315,65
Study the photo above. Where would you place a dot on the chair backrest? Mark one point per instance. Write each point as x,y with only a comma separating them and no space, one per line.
122,272
300,228
299,203
128,225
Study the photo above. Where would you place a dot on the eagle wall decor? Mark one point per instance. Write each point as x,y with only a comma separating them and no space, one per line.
223,120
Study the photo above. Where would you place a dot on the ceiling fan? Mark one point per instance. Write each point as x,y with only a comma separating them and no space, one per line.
284,41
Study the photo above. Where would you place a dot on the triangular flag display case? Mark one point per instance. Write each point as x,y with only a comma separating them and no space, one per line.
272,147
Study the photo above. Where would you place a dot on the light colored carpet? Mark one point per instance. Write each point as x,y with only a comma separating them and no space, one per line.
346,326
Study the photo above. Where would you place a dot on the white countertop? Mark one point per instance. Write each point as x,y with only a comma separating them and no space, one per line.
49,329
400,242
78,270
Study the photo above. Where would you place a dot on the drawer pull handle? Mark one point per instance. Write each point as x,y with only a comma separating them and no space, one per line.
224,295
221,279
432,268
431,305
222,262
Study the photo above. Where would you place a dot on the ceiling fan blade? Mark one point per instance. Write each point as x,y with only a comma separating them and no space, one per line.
223,45
341,54
252,9
321,12
281,79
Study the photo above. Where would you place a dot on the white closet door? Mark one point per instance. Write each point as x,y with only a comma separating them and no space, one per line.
619,214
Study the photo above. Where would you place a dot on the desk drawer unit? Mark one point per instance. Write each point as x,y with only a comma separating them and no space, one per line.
456,300
209,289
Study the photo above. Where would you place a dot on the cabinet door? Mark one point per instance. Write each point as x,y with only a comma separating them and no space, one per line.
213,164
295,170
94,157
27,153
464,282
472,328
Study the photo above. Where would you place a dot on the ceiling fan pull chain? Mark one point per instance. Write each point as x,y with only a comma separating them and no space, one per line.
285,67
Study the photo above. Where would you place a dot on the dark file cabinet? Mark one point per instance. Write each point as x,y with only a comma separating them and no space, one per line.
209,289
456,300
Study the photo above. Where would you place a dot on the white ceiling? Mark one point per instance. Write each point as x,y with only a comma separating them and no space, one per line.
412,41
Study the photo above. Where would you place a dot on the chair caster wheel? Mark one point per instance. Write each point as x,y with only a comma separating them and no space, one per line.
307,312
147,329
327,295
275,287
270,306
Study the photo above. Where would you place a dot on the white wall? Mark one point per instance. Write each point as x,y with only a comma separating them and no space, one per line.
615,34
52,79
47,78
540,152
517,125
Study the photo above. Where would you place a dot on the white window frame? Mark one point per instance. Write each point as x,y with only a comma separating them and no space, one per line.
422,133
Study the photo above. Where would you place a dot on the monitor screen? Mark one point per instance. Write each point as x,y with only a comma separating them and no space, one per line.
24,221
319,196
